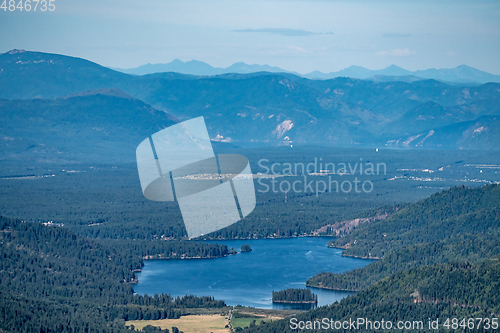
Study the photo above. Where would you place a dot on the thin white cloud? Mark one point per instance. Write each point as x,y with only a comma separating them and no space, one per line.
397,53
283,31
396,35
298,50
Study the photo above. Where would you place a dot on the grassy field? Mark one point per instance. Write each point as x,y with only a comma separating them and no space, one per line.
188,324
245,322
205,320
244,316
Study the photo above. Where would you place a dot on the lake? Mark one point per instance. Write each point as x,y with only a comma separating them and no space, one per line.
249,278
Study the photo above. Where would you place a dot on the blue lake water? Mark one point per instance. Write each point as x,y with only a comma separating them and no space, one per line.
249,278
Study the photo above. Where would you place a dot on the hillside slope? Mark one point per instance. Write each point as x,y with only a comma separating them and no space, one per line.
55,281
437,292
459,224
463,247
97,126
444,214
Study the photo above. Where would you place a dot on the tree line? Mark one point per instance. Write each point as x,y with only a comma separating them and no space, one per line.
434,292
52,280
294,295
461,247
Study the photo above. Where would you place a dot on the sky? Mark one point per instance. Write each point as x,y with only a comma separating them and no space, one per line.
296,35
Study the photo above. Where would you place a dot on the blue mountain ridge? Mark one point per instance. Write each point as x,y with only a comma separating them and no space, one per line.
260,108
461,74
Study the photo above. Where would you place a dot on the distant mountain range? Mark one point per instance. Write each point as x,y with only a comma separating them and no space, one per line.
460,74
195,67
60,106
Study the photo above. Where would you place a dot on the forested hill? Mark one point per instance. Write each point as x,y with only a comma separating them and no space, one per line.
454,211
464,248
55,281
454,290
459,224
100,126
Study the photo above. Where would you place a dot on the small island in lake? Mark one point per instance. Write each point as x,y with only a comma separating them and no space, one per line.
246,248
295,295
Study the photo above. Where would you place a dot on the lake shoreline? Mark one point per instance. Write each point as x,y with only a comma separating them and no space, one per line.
156,257
352,255
249,280
295,302
334,289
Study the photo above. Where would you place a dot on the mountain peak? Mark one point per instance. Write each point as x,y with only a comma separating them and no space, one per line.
394,70
195,62
469,69
15,51
393,67
357,67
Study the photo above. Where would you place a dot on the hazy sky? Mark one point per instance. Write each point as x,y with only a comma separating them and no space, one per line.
301,35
